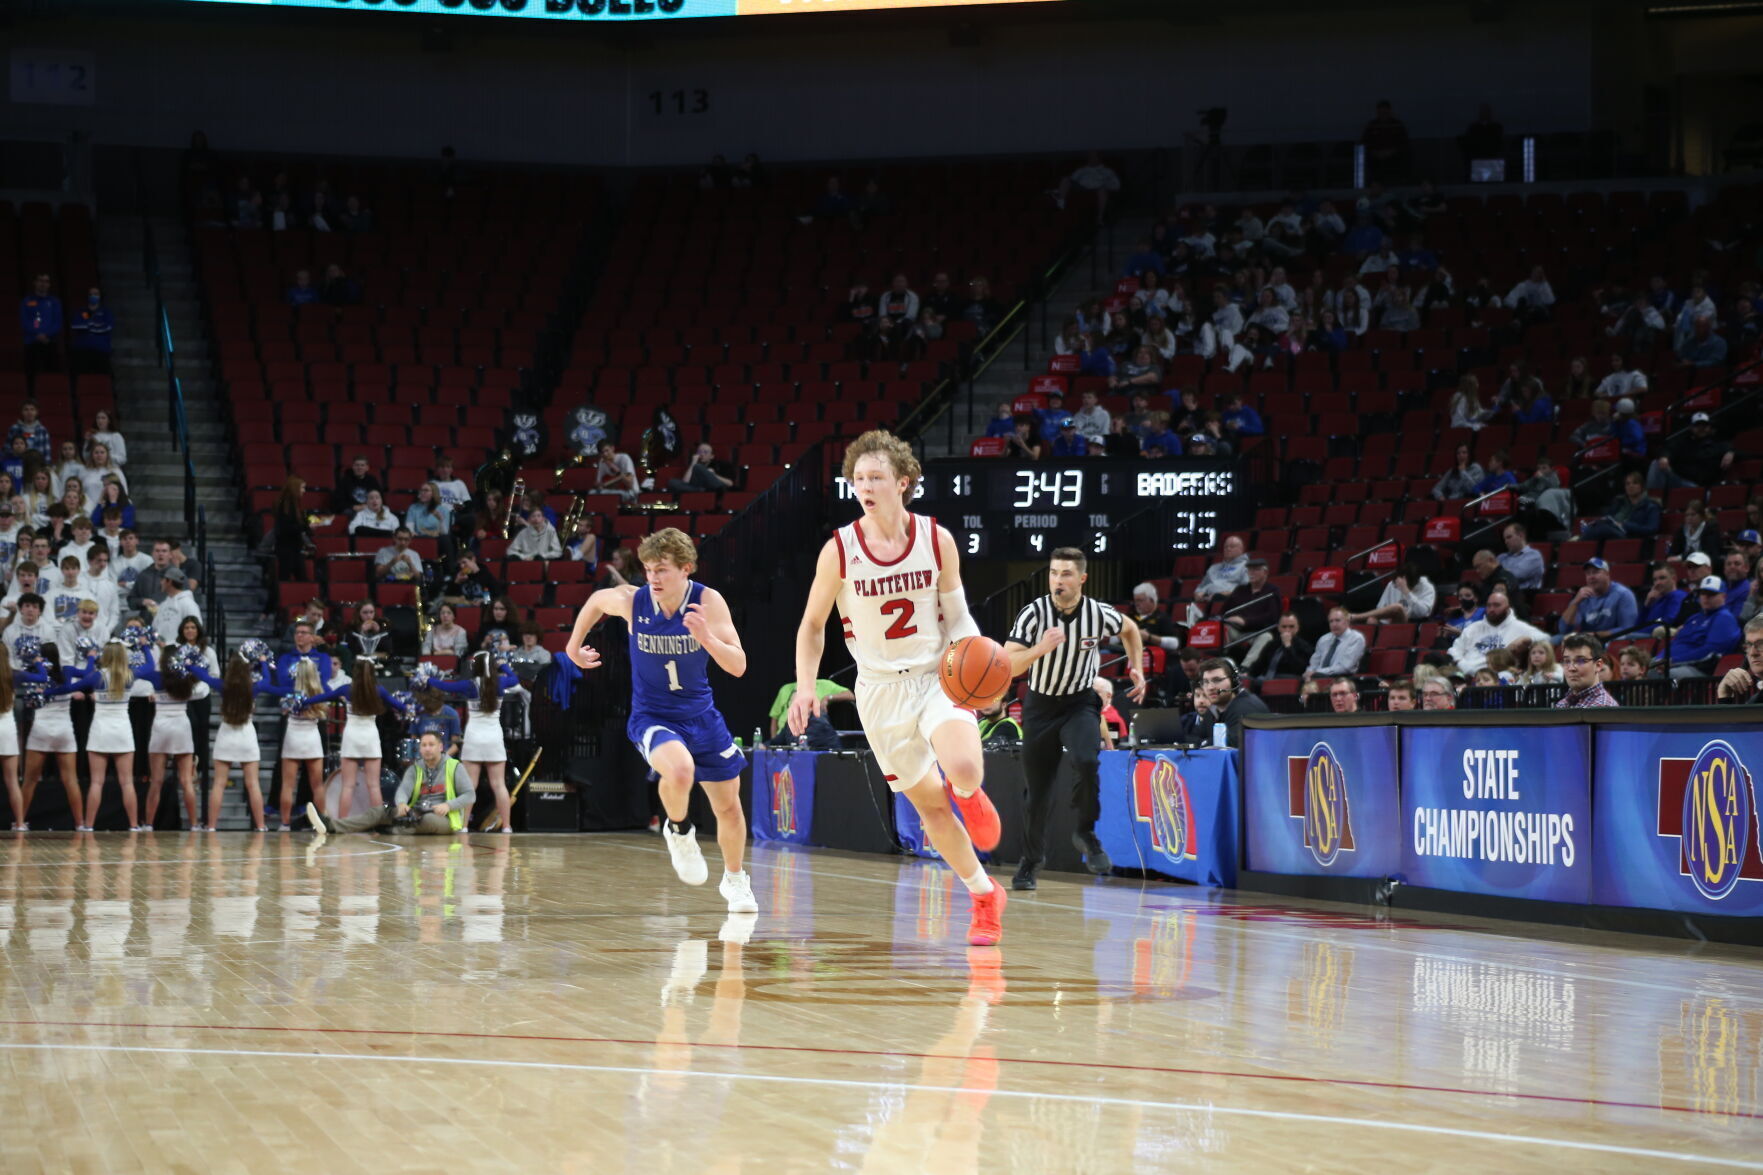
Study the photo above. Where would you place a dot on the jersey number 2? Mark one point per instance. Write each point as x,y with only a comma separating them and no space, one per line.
902,626
672,675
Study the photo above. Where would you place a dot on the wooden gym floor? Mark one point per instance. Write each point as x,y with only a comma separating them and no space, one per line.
248,1003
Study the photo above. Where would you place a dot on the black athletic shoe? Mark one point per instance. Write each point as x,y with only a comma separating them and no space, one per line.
1095,857
1025,875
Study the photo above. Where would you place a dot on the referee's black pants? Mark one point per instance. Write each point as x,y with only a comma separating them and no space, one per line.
1055,728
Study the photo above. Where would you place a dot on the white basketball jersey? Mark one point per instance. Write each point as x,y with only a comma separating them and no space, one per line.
892,622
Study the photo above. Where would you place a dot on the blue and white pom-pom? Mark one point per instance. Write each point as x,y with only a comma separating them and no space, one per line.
189,657
30,694
293,703
28,649
86,646
422,675
254,650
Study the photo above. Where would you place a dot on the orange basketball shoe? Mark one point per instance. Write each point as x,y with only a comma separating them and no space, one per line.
987,926
980,817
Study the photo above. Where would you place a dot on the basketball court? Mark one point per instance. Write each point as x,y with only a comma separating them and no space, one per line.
248,1003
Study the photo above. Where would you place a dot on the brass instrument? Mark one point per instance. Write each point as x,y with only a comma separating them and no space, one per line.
577,507
515,494
422,620
573,461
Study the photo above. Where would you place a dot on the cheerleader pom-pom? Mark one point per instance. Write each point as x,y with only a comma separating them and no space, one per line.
293,703
254,650
28,649
422,675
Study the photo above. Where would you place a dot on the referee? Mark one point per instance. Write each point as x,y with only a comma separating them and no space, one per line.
1057,640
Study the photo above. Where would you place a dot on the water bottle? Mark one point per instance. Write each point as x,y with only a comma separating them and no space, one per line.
758,737
1218,732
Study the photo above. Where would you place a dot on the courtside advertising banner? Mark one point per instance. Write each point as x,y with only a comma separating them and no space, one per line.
1677,820
1322,801
1171,813
783,796
1498,810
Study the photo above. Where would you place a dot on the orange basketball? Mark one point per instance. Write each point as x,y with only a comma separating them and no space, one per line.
974,671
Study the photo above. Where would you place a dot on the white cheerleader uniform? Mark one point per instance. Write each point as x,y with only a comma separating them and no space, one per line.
302,740
483,737
237,744
111,733
52,728
171,726
8,734
361,737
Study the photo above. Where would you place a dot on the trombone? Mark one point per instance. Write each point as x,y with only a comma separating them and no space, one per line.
515,494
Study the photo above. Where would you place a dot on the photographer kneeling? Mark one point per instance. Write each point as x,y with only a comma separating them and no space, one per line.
434,799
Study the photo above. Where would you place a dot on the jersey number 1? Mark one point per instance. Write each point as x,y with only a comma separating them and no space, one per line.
672,675
902,626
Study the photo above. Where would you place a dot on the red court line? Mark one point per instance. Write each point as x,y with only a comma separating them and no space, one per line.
849,1052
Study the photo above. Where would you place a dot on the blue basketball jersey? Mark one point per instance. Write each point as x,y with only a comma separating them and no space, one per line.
670,670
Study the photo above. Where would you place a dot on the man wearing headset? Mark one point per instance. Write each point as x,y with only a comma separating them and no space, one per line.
1226,701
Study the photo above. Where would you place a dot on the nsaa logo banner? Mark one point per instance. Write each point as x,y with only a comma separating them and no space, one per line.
1322,801
1171,813
783,795
1677,821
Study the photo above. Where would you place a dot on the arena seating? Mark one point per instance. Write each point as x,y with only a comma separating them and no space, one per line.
36,238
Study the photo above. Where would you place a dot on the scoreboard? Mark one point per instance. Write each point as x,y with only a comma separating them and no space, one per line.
999,510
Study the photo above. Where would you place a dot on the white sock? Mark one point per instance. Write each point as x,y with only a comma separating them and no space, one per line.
979,882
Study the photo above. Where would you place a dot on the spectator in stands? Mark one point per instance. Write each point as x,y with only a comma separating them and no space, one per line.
1327,335
1230,572
452,489
1159,436
1640,326
1141,371
128,561
1025,442
1400,314
705,474
1751,543
1497,476
1251,606
373,518
1068,442
529,657
445,636
1281,653
1602,606
1094,177
13,464
104,432
470,583
1535,407
399,562
1340,650
1628,432
39,325
1578,385
1737,581
1701,347
1092,419
1523,561
1709,634
355,217
1004,423
1634,513
942,296
1467,410
309,628
1699,459
1499,628
1697,305
291,530
1532,299
1159,337
1226,702
1632,664
1227,317
1399,695
33,430
1239,419
1698,534
1582,656
99,469
1744,684
1596,426
1120,441
1666,604
92,328
1269,314
179,603
980,308
584,545
302,292
1386,144
925,330
1198,445
616,473
339,289
429,516
537,539
1381,260
354,484
898,303
149,586
367,637
1343,695
1093,358
1408,597
1437,694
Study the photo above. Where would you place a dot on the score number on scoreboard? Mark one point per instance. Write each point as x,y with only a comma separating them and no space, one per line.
996,510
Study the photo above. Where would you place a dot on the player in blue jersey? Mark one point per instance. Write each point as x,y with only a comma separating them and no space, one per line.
677,627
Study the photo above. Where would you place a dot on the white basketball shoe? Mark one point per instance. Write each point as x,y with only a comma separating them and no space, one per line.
737,890
688,858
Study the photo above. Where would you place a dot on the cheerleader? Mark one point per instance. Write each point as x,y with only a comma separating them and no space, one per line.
484,752
246,677
201,707
173,683
361,732
9,677
52,734
111,739
302,743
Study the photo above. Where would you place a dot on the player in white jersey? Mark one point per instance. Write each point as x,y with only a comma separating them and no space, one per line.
896,578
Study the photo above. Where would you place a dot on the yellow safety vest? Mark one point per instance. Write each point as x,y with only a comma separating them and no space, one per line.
455,817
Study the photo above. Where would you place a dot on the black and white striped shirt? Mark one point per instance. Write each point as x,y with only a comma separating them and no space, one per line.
1070,668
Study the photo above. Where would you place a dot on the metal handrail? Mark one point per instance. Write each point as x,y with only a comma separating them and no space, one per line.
178,421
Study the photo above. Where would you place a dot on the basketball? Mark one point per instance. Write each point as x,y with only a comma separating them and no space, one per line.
975,670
